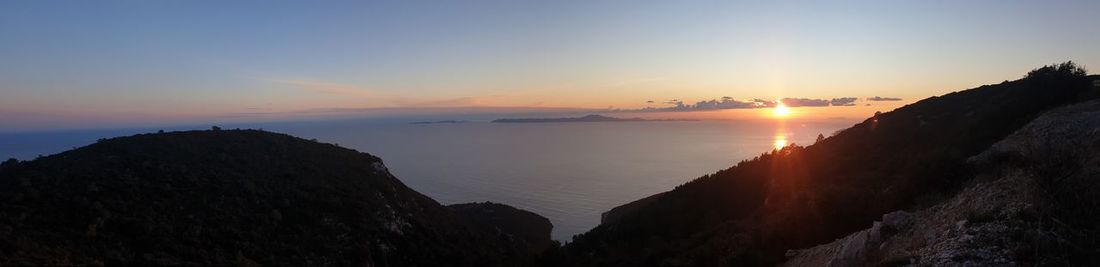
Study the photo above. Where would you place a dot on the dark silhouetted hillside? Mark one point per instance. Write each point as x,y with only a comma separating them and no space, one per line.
521,227
241,197
1034,201
752,213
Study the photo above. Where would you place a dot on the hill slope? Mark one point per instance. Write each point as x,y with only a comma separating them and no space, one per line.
526,229
223,197
1034,201
750,214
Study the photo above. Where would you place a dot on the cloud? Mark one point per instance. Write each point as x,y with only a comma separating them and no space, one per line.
805,102
730,103
843,101
879,98
327,87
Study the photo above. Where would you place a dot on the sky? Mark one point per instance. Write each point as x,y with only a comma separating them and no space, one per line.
81,64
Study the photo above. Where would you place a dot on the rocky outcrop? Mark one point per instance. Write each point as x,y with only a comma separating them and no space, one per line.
1013,213
985,224
853,249
799,196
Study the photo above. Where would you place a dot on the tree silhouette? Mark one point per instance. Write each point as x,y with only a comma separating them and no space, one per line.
1060,70
9,162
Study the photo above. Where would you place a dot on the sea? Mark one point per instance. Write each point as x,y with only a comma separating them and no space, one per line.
569,172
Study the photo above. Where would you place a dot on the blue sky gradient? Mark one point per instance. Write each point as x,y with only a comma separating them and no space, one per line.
87,63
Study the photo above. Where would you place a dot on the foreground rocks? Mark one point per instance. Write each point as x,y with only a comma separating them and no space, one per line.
1013,213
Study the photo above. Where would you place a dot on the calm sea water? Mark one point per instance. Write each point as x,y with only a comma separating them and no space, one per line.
568,172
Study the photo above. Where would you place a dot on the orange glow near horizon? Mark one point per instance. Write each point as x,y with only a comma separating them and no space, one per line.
781,110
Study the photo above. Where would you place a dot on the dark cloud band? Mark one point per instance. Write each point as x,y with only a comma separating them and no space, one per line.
730,103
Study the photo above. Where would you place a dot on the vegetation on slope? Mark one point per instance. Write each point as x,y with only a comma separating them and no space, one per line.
527,230
800,196
1034,201
230,197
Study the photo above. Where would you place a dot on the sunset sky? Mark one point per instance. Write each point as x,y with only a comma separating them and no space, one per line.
74,64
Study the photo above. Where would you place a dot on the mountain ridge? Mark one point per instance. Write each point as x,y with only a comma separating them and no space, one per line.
750,214
1011,208
248,197
223,197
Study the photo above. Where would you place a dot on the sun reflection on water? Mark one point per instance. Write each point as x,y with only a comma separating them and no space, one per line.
780,141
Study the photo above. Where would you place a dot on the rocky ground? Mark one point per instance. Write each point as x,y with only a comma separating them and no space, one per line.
1007,216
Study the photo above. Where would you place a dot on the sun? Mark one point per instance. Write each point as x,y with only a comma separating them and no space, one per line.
781,110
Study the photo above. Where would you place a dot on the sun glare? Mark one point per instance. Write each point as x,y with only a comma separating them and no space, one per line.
780,142
781,110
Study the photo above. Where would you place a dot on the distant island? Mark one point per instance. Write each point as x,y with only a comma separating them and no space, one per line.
589,118
437,122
